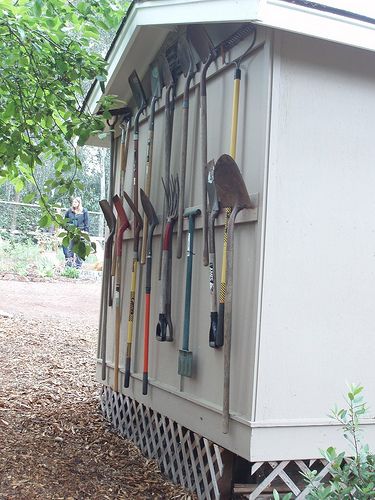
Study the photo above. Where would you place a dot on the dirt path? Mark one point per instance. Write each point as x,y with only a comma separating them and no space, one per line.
54,442
75,300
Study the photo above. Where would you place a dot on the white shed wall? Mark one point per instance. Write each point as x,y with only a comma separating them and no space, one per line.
318,315
197,402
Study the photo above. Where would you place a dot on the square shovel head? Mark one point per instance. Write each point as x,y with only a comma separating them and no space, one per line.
185,363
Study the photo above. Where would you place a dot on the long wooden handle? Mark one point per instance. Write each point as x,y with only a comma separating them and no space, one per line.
203,120
228,319
117,323
130,322
233,146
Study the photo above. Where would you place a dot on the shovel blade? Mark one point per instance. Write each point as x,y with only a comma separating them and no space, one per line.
230,186
185,363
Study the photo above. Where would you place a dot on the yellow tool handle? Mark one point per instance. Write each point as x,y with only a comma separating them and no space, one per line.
235,105
132,302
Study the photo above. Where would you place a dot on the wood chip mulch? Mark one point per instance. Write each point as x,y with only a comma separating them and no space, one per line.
54,443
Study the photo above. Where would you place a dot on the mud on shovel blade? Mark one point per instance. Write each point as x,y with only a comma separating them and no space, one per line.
153,221
111,222
185,358
232,193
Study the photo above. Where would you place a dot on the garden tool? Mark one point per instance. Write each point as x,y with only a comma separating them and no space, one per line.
137,227
156,86
122,225
124,149
164,329
231,192
232,152
153,221
214,210
188,65
185,358
168,127
111,123
206,51
140,99
111,222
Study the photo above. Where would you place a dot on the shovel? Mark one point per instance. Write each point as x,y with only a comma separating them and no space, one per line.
137,227
140,99
232,193
187,63
153,221
124,149
214,210
185,358
122,225
112,167
207,53
232,151
111,222
156,86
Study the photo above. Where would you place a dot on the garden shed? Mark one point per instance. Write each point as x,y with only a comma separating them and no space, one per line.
304,251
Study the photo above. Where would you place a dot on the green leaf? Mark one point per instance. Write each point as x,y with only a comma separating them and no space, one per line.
29,198
44,221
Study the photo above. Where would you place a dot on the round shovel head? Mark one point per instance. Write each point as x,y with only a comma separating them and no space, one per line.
230,186
149,209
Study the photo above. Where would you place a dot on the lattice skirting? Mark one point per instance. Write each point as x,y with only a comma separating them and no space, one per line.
184,456
284,476
195,462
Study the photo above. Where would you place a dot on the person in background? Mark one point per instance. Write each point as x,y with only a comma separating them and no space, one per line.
78,217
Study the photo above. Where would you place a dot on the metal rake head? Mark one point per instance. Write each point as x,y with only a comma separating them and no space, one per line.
172,192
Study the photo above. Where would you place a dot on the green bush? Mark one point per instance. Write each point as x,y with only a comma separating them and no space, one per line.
353,477
70,272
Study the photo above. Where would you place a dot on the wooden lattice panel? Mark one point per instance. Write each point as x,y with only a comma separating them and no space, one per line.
184,456
284,476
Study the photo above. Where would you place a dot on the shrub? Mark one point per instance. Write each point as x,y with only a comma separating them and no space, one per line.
353,477
70,272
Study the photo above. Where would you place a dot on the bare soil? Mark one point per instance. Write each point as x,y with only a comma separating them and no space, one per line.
54,443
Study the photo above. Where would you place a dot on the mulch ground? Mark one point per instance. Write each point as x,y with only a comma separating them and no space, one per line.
54,443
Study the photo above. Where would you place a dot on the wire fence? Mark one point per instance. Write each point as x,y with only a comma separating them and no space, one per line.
23,219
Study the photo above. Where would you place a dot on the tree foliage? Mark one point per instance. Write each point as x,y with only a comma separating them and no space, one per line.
47,62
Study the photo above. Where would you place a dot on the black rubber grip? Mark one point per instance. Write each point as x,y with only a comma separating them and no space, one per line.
220,327
213,330
127,373
145,383
148,273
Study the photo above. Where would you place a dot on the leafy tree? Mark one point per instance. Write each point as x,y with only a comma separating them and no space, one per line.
48,58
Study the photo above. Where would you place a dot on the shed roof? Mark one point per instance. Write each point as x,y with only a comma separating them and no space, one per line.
148,21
